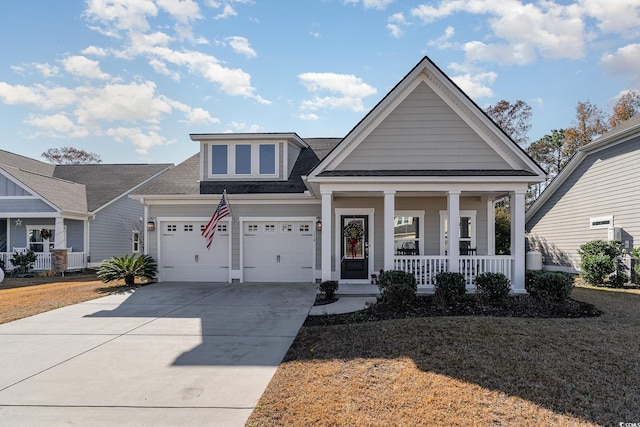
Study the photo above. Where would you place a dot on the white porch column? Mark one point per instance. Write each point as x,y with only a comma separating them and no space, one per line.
491,227
325,243
453,208
517,240
60,240
389,215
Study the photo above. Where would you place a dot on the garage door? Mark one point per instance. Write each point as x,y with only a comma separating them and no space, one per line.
278,251
185,256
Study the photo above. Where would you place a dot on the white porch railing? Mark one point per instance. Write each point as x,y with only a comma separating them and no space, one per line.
425,268
75,261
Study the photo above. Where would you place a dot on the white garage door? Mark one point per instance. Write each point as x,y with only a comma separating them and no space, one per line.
185,257
278,251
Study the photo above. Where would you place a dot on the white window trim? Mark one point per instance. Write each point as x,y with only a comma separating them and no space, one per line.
466,213
135,242
420,215
45,242
255,160
607,221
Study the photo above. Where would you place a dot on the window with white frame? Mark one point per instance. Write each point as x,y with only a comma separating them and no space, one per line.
40,238
466,229
135,242
239,159
407,232
601,222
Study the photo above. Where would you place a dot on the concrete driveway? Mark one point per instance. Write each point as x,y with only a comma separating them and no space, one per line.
167,354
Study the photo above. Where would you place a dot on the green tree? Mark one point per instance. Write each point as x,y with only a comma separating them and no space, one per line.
503,230
128,268
514,119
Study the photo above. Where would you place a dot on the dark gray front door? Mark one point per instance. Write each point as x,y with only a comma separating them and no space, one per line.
354,247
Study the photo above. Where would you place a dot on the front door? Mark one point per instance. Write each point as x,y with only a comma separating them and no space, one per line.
354,247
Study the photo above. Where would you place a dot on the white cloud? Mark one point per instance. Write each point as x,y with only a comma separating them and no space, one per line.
625,61
620,16
121,102
120,15
350,90
309,116
82,66
371,4
94,51
38,95
242,127
523,31
56,126
227,12
144,141
199,116
476,85
241,45
395,23
442,42
184,11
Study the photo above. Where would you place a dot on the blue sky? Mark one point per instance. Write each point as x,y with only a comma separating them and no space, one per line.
131,79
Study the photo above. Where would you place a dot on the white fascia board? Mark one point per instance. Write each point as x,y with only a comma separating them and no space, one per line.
424,179
425,187
240,199
282,137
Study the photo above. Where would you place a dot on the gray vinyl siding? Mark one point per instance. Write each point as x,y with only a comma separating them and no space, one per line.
75,235
25,205
605,183
293,152
423,132
10,188
112,229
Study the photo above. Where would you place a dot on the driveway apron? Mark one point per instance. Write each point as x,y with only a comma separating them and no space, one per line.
165,354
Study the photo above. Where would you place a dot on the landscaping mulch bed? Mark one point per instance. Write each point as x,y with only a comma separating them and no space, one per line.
429,306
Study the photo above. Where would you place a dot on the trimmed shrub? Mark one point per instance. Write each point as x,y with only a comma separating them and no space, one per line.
493,286
599,260
128,268
450,286
635,253
329,288
397,288
553,286
23,261
399,296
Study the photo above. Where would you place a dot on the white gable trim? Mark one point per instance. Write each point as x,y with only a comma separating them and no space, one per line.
426,72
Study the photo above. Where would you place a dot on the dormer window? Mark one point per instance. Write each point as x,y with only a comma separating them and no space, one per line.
243,159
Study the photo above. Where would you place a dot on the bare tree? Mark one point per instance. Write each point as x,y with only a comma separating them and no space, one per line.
627,106
71,156
590,123
514,119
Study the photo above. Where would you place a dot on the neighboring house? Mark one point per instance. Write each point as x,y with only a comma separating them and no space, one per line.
595,196
82,208
382,197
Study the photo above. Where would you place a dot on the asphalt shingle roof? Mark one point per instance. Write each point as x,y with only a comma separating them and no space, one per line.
105,182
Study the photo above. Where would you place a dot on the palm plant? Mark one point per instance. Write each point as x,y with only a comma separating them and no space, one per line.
128,268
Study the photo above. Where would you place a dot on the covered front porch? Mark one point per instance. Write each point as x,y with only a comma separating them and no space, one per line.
406,229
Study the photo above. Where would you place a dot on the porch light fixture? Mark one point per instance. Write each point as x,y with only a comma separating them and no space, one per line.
151,225
318,225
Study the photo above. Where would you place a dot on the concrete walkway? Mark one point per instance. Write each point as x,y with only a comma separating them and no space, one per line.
167,354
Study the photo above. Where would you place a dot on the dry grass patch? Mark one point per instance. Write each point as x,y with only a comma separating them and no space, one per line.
21,298
464,370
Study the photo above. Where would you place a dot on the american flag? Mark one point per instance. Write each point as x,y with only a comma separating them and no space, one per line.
221,211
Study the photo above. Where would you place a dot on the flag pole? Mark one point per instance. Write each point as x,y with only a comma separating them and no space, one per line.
226,196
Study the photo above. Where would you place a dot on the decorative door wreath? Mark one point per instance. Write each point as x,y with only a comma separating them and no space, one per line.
354,233
44,233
